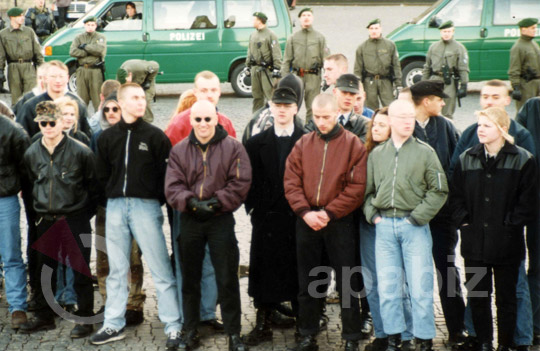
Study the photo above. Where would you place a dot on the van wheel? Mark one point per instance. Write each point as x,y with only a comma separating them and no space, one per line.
412,73
72,82
241,83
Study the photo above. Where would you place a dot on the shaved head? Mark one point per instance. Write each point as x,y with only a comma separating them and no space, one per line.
203,108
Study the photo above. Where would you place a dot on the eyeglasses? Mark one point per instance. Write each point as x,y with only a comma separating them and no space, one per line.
44,123
206,119
113,109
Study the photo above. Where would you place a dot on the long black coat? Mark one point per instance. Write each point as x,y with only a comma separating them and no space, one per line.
272,272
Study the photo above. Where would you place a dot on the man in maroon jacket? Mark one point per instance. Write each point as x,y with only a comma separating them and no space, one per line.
325,180
207,179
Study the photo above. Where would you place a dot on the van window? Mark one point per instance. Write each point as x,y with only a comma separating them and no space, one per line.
240,12
114,18
172,15
511,12
464,13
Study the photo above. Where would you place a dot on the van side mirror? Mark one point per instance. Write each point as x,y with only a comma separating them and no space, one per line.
230,22
435,22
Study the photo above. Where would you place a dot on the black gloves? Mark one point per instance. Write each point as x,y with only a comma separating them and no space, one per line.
82,46
246,71
462,91
516,94
2,76
203,210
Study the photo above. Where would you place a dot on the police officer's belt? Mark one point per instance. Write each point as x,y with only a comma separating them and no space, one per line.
88,65
377,76
528,78
302,71
18,61
395,213
440,74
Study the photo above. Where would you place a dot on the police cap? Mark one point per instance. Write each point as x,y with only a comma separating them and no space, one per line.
428,88
348,82
284,96
261,16
121,75
447,24
90,19
527,22
46,111
372,22
305,9
15,12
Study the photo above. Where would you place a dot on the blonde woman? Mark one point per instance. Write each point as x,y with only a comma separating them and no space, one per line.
70,111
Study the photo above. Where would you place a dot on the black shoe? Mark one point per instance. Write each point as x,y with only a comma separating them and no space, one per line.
32,305
351,345
425,344
408,345
378,344
536,339
174,339
236,343
190,340
523,348
214,324
486,346
105,335
134,317
367,325
278,320
81,331
323,322
285,310
457,341
261,332
36,324
394,342
307,343
472,344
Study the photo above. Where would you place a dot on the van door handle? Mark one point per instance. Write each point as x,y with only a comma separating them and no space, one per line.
145,37
483,32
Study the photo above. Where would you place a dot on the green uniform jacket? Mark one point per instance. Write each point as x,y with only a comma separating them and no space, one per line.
410,179
525,53
305,49
18,44
264,47
450,52
141,70
378,57
95,50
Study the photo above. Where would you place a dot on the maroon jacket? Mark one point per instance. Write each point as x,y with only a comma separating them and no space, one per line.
221,170
326,171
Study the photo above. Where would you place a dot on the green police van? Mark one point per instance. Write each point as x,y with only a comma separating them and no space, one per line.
487,28
184,37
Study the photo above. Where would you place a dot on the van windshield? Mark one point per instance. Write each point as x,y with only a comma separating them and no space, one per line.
79,23
424,14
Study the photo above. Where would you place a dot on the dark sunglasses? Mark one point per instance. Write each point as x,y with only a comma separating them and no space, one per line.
44,123
107,109
206,119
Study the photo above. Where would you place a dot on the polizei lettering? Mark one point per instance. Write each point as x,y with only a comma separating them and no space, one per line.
186,36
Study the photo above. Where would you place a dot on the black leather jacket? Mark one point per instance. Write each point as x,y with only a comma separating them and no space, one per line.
65,182
13,143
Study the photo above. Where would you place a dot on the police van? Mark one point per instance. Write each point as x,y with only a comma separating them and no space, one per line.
184,37
487,28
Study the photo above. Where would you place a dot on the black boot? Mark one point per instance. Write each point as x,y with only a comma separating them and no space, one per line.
278,320
378,344
425,344
457,341
236,343
261,332
505,348
367,325
351,345
394,342
307,343
408,345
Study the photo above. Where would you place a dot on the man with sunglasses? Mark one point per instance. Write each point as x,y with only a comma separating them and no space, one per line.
208,178
65,194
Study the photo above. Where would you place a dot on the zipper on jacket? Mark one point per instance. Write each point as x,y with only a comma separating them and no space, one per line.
237,168
204,171
394,182
126,163
322,172
50,183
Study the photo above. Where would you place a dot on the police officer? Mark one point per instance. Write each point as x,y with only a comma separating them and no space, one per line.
19,48
377,63
41,20
447,60
306,60
524,70
263,61
143,73
89,49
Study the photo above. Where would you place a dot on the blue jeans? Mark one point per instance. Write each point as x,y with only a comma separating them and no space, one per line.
10,253
65,292
523,334
209,292
403,253
369,272
143,219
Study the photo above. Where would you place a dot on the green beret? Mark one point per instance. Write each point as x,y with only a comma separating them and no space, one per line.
47,111
15,12
121,75
90,19
375,21
261,16
527,22
447,24
304,10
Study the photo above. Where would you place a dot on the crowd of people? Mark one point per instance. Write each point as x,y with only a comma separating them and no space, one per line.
372,191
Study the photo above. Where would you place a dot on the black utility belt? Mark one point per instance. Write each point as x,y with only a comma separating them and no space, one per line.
377,76
89,66
18,61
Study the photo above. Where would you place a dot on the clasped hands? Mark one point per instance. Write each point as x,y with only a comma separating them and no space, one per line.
316,220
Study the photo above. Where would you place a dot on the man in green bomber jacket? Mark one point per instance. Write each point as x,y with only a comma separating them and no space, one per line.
406,187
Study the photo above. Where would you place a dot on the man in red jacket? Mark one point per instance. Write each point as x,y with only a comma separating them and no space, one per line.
324,201
208,178
206,88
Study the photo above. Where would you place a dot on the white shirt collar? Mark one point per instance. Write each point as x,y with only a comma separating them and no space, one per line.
347,117
288,131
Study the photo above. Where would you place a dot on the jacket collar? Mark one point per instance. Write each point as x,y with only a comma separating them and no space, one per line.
335,132
220,134
478,150
58,147
130,126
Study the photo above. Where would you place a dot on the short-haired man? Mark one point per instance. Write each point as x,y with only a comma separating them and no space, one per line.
263,61
41,20
448,61
131,163
61,163
39,89
524,69
359,106
334,66
441,134
208,178
89,48
406,187
143,73
206,88
56,78
14,141
324,183
377,63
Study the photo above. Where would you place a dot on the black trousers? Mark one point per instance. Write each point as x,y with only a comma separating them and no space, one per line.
444,235
62,16
218,232
61,236
506,277
338,239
